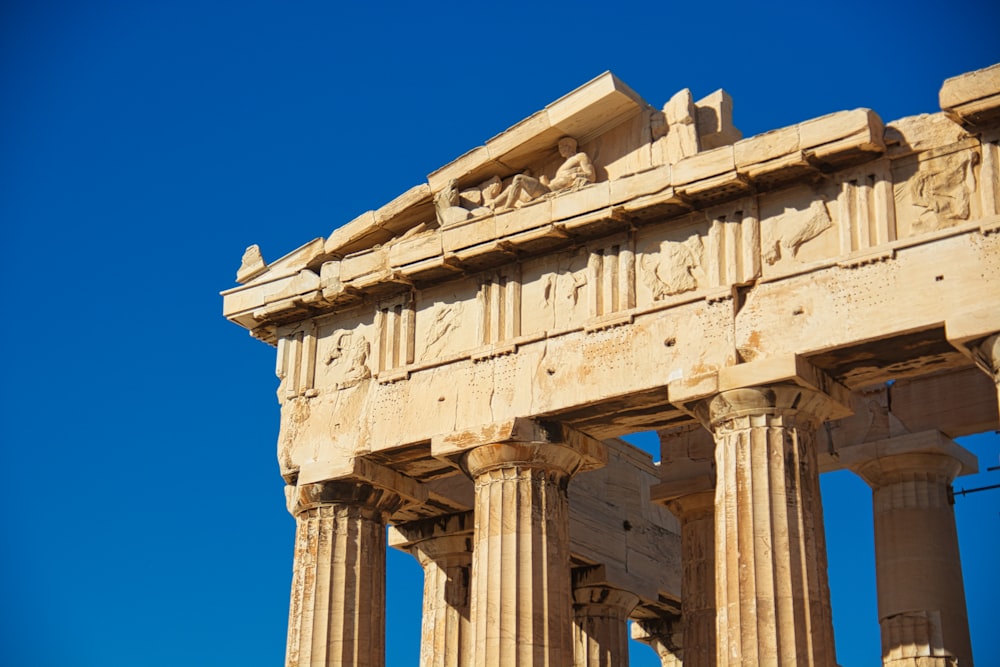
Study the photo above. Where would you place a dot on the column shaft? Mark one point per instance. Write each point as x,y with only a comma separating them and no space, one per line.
921,596
696,514
337,611
521,600
600,626
772,595
445,629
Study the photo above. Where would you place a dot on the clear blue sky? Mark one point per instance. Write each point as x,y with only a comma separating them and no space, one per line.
144,145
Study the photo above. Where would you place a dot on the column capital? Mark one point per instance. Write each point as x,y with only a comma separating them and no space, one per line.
525,432
560,458
304,497
605,596
988,354
895,459
782,400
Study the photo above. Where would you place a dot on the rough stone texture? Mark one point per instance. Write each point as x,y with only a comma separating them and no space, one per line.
921,596
444,548
603,268
600,625
772,595
521,593
339,576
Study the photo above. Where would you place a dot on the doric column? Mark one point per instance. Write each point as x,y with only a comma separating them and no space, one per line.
921,597
443,545
521,599
600,622
772,594
337,614
688,491
696,513
664,636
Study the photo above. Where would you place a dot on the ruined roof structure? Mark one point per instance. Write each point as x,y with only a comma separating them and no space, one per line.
460,362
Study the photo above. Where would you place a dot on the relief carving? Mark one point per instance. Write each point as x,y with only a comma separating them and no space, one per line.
447,318
943,193
794,228
575,172
676,269
494,195
349,356
453,206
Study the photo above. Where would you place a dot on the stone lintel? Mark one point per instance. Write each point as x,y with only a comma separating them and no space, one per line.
359,469
975,334
407,534
686,453
925,442
972,326
678,488
957,403
972,99
522,430
611,577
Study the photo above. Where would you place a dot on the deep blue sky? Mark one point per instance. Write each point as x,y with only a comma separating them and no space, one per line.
144,145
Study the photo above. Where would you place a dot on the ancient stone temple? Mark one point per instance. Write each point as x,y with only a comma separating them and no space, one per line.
459,364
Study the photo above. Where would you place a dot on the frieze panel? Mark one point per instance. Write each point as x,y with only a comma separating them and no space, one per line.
555,292
936,191
445,322
798,226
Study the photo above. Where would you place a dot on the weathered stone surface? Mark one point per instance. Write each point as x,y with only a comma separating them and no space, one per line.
921,597
603,268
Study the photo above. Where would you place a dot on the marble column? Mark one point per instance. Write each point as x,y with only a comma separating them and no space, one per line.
521,598
772,593
443,545
921,596
696,514
688,491
337,614
600,625
664,636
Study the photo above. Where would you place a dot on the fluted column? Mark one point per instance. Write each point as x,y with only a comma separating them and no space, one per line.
337,614
921,596
664,636
600,625
688,491
772,593
443,546
696,514
521,599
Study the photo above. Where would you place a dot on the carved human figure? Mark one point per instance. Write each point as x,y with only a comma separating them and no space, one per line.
576,171
355,352
446,319
674,270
